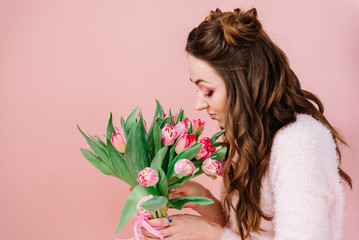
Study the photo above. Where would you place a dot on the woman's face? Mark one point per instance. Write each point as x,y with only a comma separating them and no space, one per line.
211,89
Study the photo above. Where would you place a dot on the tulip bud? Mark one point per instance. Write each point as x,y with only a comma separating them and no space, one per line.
207,149
118,141
148,177
211,166
146,213
184,142
185,167
169,135
198,126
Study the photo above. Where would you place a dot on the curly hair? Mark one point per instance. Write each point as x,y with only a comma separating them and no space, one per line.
263,95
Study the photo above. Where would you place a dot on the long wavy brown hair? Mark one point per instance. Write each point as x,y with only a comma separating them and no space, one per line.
263,95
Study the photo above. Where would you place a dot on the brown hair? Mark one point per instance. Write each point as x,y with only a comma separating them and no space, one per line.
264,95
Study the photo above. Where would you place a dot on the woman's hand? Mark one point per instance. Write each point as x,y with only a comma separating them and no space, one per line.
213,212
185,227
191,188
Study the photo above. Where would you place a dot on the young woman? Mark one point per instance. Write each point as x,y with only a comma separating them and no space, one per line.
282,178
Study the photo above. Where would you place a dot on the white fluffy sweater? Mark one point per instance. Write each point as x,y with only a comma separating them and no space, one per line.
302,188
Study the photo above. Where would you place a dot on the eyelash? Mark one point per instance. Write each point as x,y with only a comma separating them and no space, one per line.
209,94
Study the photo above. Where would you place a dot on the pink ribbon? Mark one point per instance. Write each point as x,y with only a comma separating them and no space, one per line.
141,222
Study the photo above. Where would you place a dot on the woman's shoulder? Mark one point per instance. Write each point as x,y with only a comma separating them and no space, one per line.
305,128
303,141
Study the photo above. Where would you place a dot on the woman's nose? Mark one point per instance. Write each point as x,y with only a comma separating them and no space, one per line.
201,104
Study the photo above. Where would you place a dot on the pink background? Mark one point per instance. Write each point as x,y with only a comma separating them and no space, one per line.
69,61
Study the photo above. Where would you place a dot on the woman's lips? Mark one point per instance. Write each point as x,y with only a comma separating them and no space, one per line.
213,116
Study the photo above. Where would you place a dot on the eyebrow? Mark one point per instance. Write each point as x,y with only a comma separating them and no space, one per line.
198,81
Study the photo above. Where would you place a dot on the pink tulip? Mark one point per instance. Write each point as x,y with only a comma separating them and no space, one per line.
184,166
146,213
221,170
182,126
185,141
207,149
148,177
198,126
169,135
118,141
211,166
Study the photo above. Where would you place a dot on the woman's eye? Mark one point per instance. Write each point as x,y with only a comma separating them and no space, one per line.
208,94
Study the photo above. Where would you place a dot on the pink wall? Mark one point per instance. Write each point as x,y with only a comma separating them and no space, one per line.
71,61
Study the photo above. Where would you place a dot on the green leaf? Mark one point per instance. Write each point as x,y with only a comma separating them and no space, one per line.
170,113
167,120
218,144
130,208
98,163
155,203
150,131
178,203
130,122
172,152
160,109
110,128
180,116
187,154
190,129
119,165
137,151
100,143
220,154
162,184
216,136
122,123
157,138
95,147
158,159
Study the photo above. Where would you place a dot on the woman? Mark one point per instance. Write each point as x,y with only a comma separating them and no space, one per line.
282,179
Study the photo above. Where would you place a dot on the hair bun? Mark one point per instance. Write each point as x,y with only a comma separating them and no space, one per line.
239,28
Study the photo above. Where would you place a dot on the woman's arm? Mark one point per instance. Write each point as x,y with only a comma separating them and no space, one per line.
304,171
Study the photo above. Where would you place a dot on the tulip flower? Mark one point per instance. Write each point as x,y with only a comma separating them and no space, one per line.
198,126
182,126
207,149
184,142
148,177
211,166
118,141
146,213
169,135
184,166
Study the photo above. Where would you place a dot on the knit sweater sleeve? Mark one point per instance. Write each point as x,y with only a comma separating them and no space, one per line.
302,156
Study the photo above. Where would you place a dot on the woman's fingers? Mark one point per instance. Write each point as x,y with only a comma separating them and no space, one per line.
158,222
166,232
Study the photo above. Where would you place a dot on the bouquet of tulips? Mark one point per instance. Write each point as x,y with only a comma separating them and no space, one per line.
154,160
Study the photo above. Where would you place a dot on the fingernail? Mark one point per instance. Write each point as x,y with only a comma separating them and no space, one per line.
173,190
